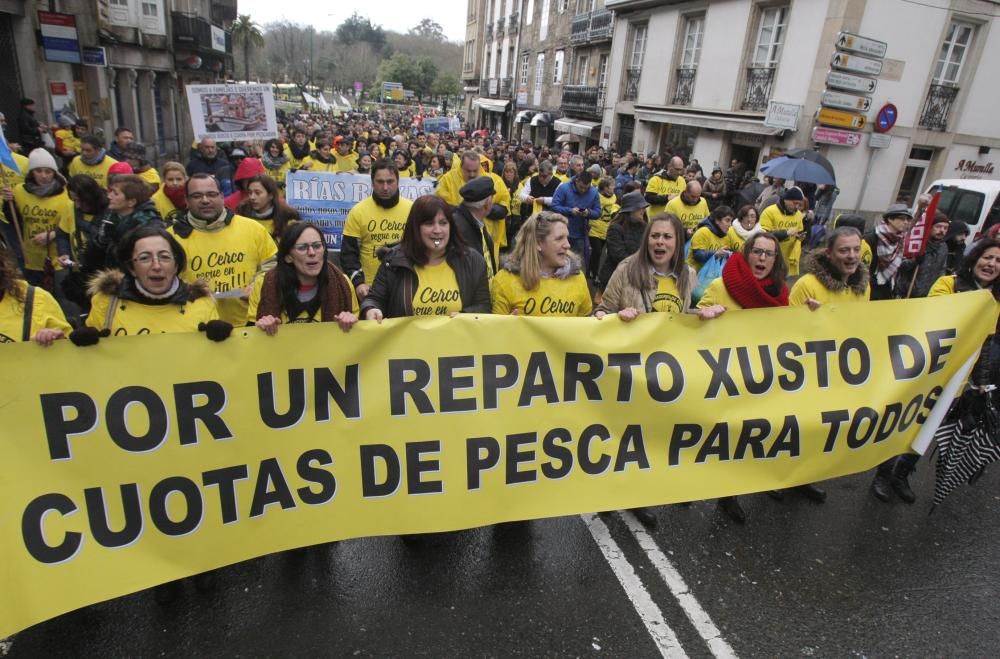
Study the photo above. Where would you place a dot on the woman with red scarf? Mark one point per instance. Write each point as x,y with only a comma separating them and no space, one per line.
751,279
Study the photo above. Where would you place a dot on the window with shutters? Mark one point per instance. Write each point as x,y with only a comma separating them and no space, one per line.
539,78
770,36
954,48
557,68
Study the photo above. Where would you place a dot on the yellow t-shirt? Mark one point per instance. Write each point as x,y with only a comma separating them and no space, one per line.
660,186
733,240
563,178
70,142
229,260
375,226
347,163
302,317
278,175
132,318
704,238
67,224
668,296
717,293
45,314
552,297
13,178
609,208
943,286
690,216
98,172
772,219
866,252
40,214
320,166
163,204
437,291
808,286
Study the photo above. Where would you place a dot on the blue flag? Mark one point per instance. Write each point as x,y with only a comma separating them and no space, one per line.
6,157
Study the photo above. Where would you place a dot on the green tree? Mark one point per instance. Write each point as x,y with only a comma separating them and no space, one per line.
429,29
416,73
358,28
446,85
247,34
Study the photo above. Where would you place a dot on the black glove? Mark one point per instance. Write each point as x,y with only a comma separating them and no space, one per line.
87,336
215,330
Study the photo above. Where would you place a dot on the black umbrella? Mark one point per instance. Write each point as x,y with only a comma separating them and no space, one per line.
813,156
967,441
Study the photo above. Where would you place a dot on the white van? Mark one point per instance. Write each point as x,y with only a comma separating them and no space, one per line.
973,201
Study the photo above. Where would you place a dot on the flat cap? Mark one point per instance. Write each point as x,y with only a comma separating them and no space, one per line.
477,189
897,210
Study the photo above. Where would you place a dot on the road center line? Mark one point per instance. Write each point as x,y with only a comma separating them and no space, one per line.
692,609
651,616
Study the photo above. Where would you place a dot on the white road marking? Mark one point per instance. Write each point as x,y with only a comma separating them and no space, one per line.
692,609
651,616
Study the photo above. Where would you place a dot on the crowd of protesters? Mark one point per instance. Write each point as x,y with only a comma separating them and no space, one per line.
100,244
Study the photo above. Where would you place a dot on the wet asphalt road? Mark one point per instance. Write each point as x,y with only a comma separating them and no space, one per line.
852,577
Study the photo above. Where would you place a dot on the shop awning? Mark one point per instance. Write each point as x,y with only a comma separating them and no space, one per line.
576,126
567,137
542,119
491,104
524,116
731,122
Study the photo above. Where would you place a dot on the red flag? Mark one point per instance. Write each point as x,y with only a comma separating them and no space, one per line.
916,239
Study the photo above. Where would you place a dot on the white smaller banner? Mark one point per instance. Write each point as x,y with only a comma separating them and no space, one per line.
232,112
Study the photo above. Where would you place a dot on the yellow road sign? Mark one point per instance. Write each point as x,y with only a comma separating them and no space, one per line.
840,119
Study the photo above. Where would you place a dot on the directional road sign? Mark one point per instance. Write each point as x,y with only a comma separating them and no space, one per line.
835,136
855,44
857,64
851,83
843,101
840,119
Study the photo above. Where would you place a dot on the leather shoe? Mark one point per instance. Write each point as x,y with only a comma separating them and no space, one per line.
812,492
646,517
881,487
731,506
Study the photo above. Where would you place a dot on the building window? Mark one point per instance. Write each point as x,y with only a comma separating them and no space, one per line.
539,78
524,70
602,72
770,36
557,68
470,55
585,6
694,32
563,6
638,46
953,51
543,27
582,64
529,12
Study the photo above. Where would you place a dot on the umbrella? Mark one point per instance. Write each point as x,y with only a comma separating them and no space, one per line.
967,441
812,156
798,170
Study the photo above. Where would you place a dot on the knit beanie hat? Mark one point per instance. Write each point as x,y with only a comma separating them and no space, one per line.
793,194
41,158
120,168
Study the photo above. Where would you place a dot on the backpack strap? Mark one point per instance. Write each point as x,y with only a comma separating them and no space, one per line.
109,317
29,307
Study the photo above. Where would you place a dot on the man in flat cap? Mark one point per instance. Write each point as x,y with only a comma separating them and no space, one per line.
471,216
886,241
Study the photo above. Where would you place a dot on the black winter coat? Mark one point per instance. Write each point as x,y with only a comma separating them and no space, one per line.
396,282
624,239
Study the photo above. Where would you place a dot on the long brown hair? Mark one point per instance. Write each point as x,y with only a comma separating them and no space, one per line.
424,210
283,213
640,266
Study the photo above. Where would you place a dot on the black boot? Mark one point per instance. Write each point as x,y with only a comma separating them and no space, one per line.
881,487
812,492
731,506
205,582
166,593
899,479
646,516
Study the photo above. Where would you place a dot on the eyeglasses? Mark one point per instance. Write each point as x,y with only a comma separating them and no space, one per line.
146,258
303,248
198,196
760,251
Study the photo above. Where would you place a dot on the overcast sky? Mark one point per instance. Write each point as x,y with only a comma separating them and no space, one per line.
395,15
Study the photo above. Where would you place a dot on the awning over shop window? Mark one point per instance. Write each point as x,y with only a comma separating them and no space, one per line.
576,126
542,119
567,137
491,104
732,123
524,116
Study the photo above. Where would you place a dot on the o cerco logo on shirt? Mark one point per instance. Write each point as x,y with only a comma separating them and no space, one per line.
549,305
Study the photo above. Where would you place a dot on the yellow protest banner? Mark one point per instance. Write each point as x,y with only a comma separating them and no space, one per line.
146,459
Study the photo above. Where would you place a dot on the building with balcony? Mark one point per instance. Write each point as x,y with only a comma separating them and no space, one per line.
472,55
583,97
702,88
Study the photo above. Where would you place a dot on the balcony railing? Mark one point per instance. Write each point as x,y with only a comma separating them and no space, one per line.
496,87
513,23
505,87
592,26
484,87
195,33
489,30
759,82
501,26
631,84
938,106
582,100
684,88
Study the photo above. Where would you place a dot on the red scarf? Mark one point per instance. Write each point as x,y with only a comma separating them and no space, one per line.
749,291
176,195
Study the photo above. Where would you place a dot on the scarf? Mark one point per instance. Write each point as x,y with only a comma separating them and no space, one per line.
299,152
176,195
889,251
96,160
565,270
210,226
316,155
273,163
159,296
50,189
745,234
747,290
335,298
265,214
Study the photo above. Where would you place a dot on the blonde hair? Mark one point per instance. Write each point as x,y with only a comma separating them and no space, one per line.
525,254
173,165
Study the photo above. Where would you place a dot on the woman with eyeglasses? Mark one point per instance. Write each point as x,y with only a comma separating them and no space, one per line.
430,272
147,296
304,287
751,279
542,277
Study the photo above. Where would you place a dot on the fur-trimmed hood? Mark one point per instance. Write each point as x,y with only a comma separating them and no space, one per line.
117,283
823,270
575,267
